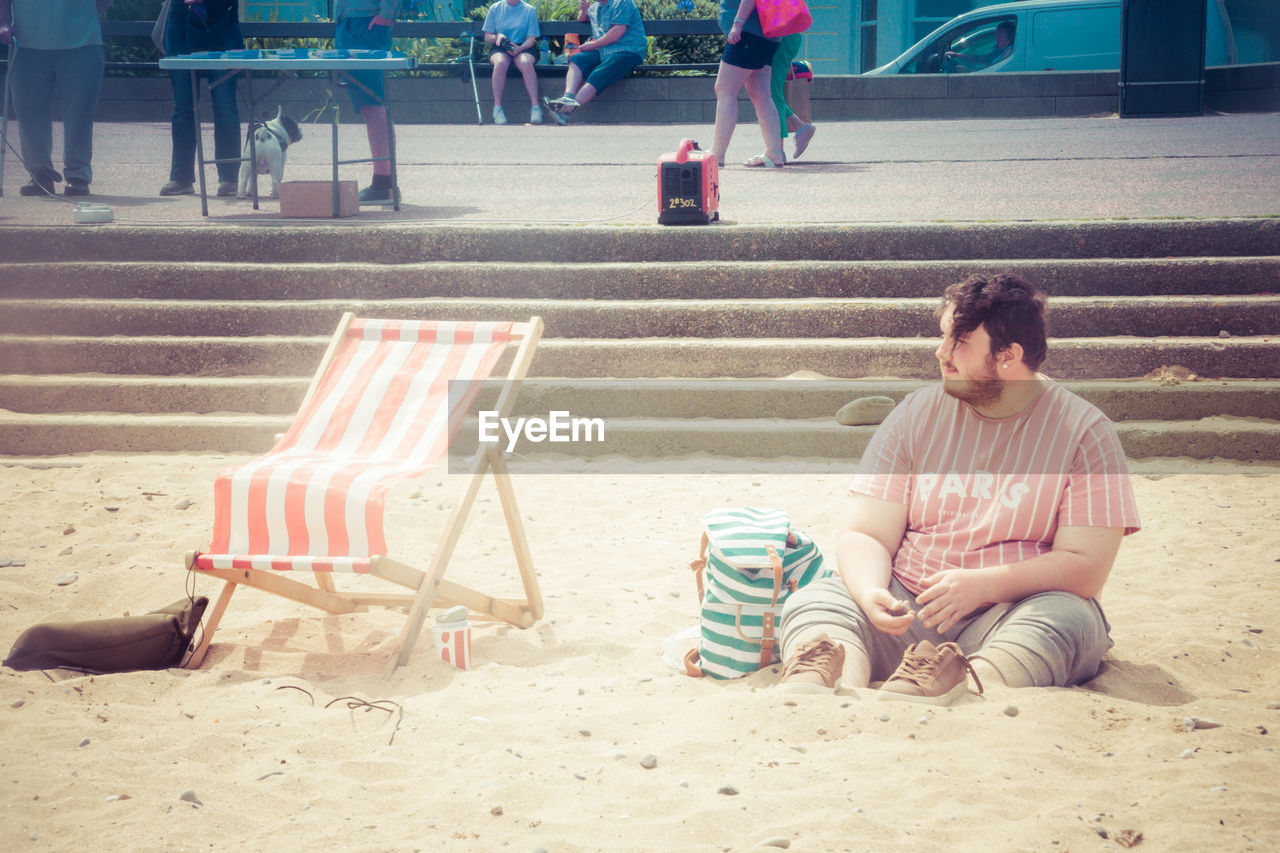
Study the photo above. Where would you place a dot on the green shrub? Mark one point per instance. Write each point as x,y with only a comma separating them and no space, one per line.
663,50
683,50
134,48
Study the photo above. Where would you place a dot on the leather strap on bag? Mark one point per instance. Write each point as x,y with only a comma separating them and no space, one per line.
775,562
699,564
692,660
766,641
692,666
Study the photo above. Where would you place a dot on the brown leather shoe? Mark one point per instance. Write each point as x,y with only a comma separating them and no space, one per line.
929,675
814,668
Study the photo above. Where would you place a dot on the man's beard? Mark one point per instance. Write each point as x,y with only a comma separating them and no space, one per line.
977,392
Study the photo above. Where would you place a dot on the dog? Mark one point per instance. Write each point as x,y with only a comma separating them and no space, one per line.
270,140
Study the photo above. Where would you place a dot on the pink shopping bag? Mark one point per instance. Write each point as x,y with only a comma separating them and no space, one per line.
780,18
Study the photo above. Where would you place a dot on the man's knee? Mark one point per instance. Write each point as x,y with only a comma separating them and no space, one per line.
824,603
1053,639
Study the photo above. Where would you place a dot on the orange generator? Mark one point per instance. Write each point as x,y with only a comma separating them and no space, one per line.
688,186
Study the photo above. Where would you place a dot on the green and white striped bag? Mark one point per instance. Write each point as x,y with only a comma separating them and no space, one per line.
753,560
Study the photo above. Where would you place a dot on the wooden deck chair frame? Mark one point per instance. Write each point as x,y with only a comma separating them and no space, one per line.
428,587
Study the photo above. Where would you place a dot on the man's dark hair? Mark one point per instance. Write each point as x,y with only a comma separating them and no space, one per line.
1007,306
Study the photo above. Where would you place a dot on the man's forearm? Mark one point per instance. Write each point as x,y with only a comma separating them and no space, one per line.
1055,570
613,34
864,563
6,13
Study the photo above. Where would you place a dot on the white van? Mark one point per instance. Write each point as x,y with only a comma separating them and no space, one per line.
1040,35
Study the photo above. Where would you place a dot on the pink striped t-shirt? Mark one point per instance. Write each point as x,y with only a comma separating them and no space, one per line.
989,491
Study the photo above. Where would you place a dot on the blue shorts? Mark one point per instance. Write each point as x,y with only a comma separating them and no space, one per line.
602,73
751,52
355,34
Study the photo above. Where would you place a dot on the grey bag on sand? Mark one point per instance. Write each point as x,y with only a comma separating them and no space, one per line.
157,32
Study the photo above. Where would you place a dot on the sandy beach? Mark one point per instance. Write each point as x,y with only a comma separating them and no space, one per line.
574,735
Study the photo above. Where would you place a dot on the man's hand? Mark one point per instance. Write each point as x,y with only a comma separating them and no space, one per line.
951,595
379,21
880,606
6,36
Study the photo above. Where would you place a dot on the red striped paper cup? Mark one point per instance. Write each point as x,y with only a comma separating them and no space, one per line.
453,640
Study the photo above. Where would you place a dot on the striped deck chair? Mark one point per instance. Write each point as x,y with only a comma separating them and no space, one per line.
386,400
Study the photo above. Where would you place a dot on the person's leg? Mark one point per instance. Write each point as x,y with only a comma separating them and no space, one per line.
1053,639
182,158
375,126
32,92
355,33
766,114
182,168
779,70
498,82
529,71
586,94
825,607
79,81
607,72
226,125
573,77
729,81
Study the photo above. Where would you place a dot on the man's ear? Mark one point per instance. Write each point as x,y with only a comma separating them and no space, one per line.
1011,354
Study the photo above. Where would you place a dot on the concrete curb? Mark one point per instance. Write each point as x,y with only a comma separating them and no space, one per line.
393,243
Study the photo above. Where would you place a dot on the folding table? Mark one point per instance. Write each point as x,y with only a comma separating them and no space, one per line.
339,63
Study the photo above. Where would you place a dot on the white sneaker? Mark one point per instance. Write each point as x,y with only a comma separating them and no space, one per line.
553,107
499,117
535,114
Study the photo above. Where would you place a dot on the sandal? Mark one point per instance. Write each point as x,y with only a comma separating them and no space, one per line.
761,161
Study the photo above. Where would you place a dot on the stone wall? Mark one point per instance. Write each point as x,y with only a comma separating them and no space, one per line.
691,100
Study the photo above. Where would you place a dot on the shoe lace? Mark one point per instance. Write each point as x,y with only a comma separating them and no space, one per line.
817,656
920,667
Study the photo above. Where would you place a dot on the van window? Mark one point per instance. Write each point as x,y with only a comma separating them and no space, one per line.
1061,34
974,46
931,14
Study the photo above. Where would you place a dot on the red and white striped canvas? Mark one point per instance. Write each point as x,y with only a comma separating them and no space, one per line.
453,642
382,412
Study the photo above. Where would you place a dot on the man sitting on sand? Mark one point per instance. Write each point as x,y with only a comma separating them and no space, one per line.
987,512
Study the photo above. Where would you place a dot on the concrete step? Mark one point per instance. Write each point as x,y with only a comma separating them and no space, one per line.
49,393
755,277
1150,316
30,435
1256,357
633,398
339,243
134,339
